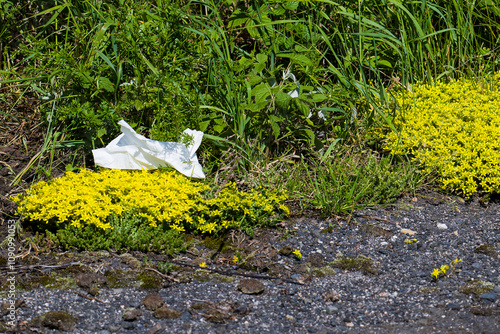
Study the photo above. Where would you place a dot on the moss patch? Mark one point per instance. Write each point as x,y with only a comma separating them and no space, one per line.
487,250
324,271
150,280
476,287
118,278
207,276
359,263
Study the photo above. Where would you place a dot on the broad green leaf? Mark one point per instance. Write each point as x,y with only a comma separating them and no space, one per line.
317,98
238,18
298,58
254,80
219,128
273,121
283,100
290,5
261,58
261,92
203,125
106,84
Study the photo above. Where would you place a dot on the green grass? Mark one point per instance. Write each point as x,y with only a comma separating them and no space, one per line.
351,181
219,65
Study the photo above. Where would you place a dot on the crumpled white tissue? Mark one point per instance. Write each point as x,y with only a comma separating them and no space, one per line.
131,150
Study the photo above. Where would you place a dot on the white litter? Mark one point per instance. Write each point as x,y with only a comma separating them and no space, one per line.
131,150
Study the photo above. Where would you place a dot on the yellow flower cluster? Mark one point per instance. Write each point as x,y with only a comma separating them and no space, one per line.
453,128
158,198
234,208
444,268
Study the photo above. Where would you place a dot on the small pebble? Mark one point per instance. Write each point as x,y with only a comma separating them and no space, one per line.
332,309
488,296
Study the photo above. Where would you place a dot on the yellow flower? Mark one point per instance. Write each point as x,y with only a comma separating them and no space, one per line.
436,273
298,254
203,265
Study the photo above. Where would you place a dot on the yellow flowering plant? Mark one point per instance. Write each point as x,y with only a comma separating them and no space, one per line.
158,200
297,254
452,128
436,273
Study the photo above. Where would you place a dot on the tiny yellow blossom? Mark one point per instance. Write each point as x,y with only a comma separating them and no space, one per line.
203,265
298,254
436,273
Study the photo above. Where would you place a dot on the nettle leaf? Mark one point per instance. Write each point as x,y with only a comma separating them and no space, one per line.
291,5
274,122
261,58
315,98
219,128
298,58
255,106
203,125
238,18
259,67
261,92
283,100
101,132
302,59
300,48
85,78
106,84
254,80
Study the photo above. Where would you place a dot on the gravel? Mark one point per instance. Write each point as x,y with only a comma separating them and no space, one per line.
393,293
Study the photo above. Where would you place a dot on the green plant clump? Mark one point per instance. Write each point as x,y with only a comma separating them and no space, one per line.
452,128
116,209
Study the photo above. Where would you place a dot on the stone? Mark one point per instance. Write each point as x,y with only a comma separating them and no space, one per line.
488,296
332,309
251,286
114,328
442,226
153,301
407,231
331,296
131,314
166,313
453,306
88,280
59,320
131,261
286,250
476,265
161,326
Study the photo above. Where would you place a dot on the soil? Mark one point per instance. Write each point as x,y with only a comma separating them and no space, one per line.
367,273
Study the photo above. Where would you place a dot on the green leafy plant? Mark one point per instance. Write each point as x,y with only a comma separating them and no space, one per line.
165,267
